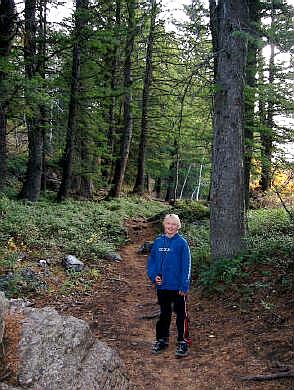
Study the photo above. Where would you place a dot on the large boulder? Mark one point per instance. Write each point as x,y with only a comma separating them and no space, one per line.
60,352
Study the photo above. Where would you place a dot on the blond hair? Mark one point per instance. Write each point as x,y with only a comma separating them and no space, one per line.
175,217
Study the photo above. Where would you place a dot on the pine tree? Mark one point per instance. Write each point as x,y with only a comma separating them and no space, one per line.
121,162
81,19
227,220
32,184
7,33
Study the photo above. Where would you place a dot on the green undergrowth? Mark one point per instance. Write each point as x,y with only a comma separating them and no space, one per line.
45,229
269,243
191,211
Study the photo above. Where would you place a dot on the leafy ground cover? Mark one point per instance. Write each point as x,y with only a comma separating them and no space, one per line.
269,244
49,231
87,229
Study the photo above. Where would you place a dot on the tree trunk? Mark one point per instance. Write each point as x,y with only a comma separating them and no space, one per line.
7,31
44,110
250,102
267,134
121,162
86,186
227,188
80,22
197,188
109,165
139,184
32,185
3,150
157,187
214,30
185,181
170,191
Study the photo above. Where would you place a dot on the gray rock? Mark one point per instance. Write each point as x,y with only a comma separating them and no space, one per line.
19,303
60,352
72,263
113,257
5,281
32,281
4,386
3,311
42,263
145,249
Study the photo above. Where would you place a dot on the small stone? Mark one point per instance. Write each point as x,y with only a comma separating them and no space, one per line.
42,263
145,249
113,257
73,263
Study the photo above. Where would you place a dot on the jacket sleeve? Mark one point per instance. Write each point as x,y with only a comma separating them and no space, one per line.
186,268
151,265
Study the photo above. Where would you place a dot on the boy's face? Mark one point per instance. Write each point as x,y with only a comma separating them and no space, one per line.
171,227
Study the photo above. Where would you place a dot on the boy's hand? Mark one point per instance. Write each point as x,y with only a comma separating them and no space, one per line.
158,280
182,293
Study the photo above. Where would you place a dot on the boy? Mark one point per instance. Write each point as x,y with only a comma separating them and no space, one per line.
169,267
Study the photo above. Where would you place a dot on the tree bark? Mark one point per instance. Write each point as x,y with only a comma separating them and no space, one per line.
157,187
227,189
251,82
7,31
214,31
80,22
139,184
109,164
41,64
185,181
267,134
86,187
121,162
170,191
32,184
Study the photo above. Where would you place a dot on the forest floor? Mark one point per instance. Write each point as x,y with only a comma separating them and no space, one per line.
230,341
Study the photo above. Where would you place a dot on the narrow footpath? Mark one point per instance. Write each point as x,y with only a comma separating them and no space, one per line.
228,343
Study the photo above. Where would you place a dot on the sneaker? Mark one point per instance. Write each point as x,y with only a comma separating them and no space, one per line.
182,349
159,346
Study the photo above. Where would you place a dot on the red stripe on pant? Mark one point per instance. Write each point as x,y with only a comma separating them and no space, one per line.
187,337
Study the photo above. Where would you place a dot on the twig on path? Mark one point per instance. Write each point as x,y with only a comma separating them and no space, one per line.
150,316
286,374
120,280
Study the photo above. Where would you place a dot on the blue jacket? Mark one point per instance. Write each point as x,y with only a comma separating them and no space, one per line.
171,258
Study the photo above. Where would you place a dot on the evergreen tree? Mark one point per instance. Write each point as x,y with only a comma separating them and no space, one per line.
32,184
81,19
227,220
121,162
139,184
7,33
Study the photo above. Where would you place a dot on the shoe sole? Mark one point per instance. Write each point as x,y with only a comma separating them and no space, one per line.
160,351
178,355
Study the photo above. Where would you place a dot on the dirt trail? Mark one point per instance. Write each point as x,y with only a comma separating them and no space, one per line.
226,341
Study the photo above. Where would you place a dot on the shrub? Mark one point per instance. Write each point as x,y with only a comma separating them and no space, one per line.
269,240
220,274
191,211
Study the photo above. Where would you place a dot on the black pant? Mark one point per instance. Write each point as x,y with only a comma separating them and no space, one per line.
167,299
